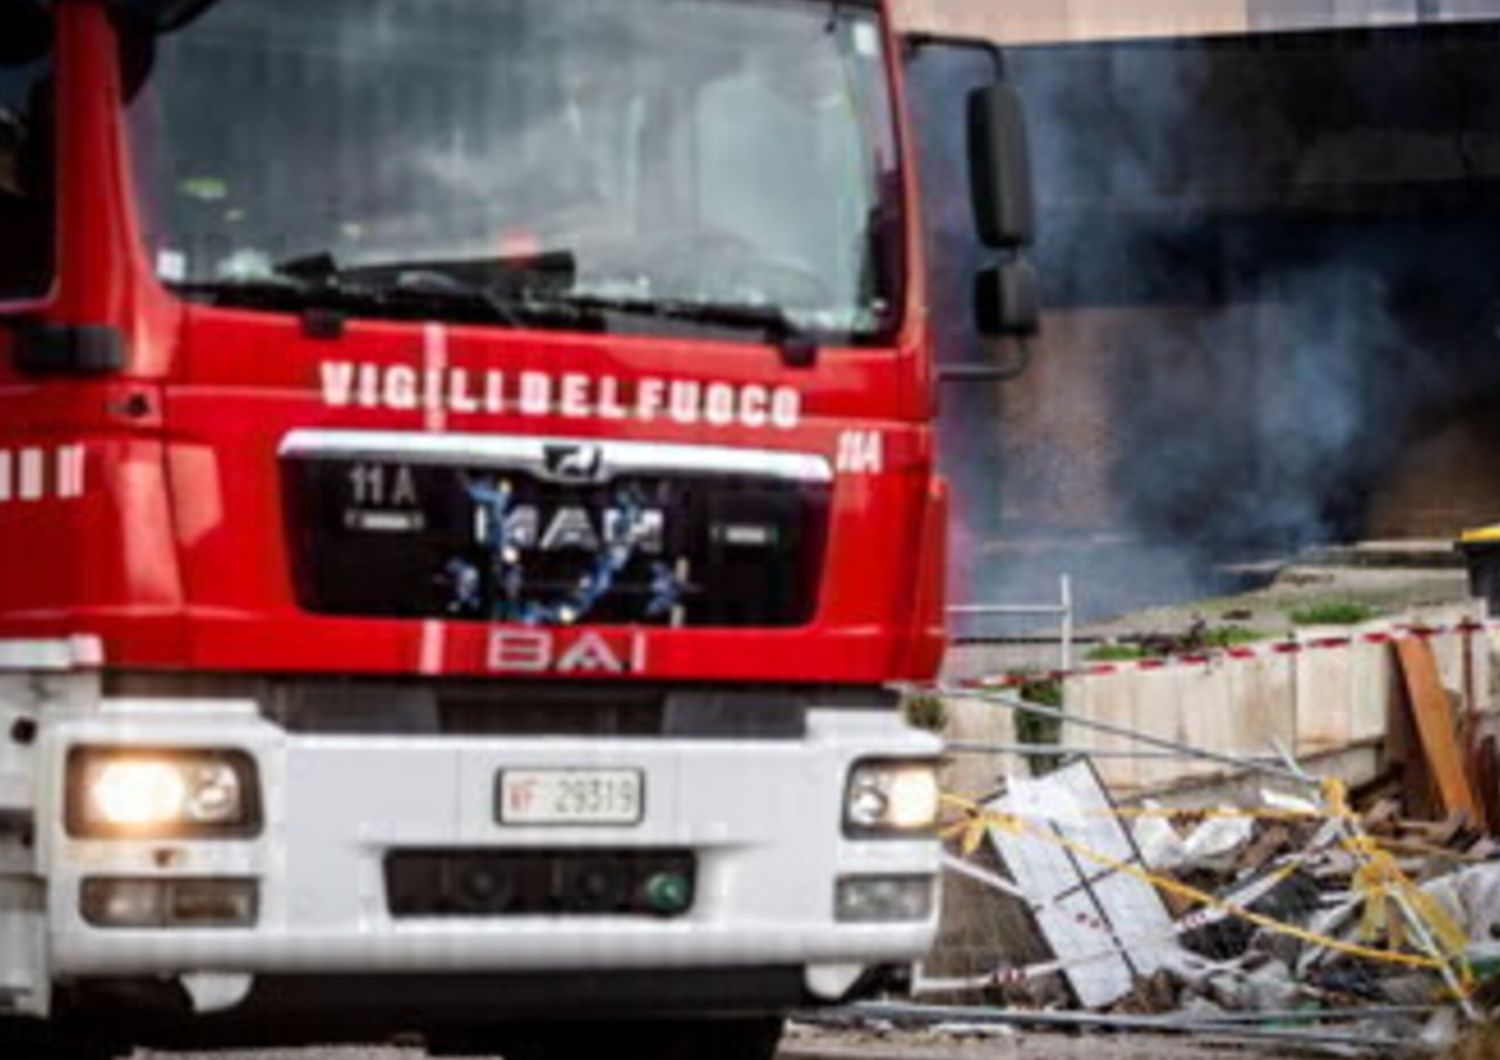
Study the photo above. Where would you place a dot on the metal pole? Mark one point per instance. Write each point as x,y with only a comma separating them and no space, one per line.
1067,624
1014,702
968,747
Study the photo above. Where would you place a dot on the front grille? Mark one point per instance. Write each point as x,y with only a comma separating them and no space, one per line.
488,883
400,538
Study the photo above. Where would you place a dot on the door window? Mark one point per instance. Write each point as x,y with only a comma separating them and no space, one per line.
26,174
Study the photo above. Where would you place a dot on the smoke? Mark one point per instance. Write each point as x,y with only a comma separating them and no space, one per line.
1270,265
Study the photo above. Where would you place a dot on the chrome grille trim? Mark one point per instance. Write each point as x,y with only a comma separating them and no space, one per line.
530,454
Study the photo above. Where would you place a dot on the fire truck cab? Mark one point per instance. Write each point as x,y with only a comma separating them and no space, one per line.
467,504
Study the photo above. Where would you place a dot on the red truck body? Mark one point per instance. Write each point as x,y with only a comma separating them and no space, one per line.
158,522
468,514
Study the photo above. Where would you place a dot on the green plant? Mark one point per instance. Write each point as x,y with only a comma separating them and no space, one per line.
1037,730
1333,613
1233,636
1116,653
927,712
1198,639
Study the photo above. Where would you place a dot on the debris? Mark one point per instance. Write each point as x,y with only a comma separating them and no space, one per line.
1486,773
1347,918
1272,987
1161,847
1272,843
1441,1031
1153,995
1217,842
1471,898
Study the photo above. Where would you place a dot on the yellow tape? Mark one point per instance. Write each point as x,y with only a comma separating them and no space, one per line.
971,834
1380,882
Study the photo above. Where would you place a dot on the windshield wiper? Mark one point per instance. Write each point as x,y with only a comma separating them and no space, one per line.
507,290
526,288
798,348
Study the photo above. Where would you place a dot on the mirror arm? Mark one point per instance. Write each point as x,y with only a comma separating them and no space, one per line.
990,373
915,42
162,16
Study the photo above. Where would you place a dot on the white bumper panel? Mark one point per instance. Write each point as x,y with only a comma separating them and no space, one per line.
764,818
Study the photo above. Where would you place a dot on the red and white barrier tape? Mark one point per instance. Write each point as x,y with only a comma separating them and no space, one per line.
1209,658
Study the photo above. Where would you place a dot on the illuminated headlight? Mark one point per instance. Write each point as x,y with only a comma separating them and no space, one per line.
892,798
883,899
148,794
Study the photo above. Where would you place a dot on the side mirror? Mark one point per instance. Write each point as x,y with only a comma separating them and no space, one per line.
1000,167
1008,301
1008,305
25,32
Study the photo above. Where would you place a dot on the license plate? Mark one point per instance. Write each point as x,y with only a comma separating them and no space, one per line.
570,796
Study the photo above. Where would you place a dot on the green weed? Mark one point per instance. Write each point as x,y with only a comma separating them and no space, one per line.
1333,613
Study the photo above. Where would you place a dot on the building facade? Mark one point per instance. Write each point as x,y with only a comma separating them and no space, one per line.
1049,21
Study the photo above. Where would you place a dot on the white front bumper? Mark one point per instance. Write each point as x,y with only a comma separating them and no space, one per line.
764,818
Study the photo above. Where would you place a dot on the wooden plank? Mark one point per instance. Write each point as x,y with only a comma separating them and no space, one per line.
1436,727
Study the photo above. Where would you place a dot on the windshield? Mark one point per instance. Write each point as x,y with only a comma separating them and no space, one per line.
497,158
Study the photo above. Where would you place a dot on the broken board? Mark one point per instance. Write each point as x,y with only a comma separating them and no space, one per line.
1437,729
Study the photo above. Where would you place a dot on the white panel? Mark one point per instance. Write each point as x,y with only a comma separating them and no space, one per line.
1140,920
1083,904
1094,825
1101,977
1041,867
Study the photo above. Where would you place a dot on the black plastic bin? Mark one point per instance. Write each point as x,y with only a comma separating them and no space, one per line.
1481,552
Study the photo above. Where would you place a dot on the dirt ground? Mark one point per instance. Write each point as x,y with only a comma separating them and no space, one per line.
1007,1045
806,1045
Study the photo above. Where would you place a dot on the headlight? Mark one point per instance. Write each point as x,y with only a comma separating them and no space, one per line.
124,794
892,798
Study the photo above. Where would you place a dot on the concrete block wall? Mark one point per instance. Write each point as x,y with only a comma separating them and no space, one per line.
1318,702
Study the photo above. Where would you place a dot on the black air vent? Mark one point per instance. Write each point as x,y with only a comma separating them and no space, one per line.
407,540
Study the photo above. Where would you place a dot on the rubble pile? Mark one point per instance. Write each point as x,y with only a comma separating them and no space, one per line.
1345,924
1280,907
1311,874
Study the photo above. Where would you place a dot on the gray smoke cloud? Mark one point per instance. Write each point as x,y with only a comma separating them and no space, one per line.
1270,266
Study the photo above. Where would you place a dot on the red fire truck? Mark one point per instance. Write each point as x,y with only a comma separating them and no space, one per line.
467,495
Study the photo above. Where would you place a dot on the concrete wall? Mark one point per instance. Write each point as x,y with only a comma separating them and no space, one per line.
1321,701
1042,21
1036,21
